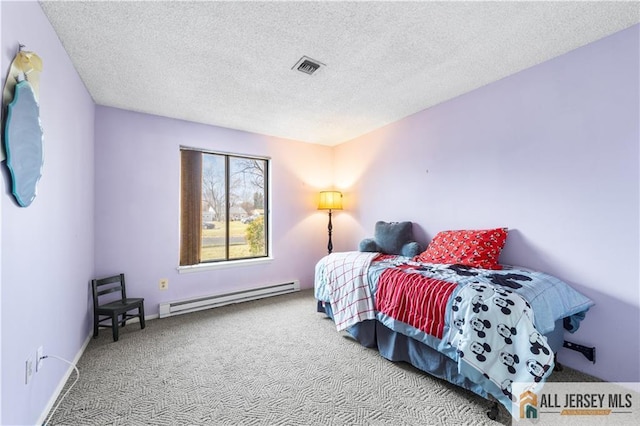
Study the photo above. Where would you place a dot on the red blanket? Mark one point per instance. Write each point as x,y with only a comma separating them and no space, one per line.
414,299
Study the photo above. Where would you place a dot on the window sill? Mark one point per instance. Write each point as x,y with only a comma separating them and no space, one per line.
223,265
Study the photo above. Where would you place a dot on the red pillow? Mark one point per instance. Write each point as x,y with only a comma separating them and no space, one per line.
476,248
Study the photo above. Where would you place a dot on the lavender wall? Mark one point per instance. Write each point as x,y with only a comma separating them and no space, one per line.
46,248
137,205
552,153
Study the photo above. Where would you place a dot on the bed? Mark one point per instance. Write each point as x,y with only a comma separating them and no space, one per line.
494,331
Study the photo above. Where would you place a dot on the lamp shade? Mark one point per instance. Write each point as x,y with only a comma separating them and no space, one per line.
330,200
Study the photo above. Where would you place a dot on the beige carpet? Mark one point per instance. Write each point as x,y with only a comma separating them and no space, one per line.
269,362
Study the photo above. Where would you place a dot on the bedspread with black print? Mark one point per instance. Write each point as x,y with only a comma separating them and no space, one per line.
495,338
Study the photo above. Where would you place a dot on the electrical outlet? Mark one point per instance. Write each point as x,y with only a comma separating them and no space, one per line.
164,284
28,370
39,355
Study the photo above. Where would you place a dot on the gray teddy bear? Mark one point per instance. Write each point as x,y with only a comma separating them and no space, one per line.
392,238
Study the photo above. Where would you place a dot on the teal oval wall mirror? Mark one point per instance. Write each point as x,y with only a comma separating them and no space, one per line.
23,143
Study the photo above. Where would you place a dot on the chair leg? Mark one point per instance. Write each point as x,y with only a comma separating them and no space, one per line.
141,313
95,326
114,327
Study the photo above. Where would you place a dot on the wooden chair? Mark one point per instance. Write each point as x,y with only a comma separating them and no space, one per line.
114,308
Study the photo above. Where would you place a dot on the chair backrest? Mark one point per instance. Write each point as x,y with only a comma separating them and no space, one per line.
104,286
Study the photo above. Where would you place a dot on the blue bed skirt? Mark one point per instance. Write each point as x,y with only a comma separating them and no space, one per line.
395,346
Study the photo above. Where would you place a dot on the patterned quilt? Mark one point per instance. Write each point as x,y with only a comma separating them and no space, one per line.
348,288
490,321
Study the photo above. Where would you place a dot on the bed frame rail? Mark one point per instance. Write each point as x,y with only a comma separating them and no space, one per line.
588,352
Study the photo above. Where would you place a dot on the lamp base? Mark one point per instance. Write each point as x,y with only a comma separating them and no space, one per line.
330,228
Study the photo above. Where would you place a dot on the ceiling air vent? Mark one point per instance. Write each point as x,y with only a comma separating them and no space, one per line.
307,65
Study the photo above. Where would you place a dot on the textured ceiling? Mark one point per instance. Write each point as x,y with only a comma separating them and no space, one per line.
230,63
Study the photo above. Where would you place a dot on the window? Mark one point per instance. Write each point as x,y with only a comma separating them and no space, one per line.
223,207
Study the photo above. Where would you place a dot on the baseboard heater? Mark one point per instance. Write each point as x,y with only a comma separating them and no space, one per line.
197,304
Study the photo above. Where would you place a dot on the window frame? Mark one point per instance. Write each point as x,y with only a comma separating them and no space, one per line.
187,265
